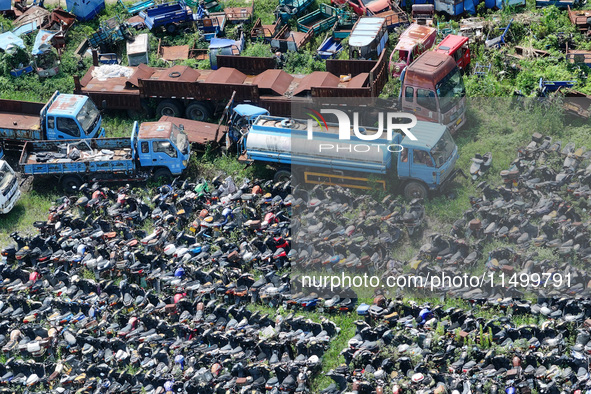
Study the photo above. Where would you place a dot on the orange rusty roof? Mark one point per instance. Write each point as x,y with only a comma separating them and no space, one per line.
275,80
430,66
226,75
316,79
414,35
155,130
141,72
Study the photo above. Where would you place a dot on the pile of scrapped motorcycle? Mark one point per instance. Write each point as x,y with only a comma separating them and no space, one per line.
96,302
152,291
540,209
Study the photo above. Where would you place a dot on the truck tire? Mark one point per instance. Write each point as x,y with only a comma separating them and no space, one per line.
197,111
70,182
171,28
162,175
282,175
414,189
169,108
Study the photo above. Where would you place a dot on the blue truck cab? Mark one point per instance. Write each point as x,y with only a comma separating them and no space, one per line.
162,146
243,115
70,116
427,161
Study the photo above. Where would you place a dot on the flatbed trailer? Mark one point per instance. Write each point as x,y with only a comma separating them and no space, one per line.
581,19
287,40
319,21
158,149
181,91
200,134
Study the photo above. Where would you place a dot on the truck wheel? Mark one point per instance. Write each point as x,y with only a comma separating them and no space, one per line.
171,28
71,182
282,175
162,175
415,189
197,111
169,108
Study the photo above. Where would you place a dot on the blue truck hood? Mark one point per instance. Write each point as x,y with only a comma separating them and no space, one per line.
250,111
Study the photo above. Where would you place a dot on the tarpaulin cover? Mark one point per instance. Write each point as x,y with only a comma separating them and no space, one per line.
5,6
9,38
470,6
43,41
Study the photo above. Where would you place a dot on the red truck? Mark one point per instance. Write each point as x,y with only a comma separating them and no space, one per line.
433,89
456,47
365,7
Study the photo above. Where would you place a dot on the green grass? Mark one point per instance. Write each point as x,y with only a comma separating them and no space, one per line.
33,206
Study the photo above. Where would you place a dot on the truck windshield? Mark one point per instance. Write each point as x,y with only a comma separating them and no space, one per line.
450,89
179,138
443,149
6,175
88,117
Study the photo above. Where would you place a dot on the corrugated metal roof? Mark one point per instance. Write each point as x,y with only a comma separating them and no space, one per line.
226,75
413,35
275,80
365,31
177,74
427,135
316,79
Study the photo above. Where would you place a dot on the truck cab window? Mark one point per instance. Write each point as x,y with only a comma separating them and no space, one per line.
404,155
50,122
164,147
68,126
408,93
426,99
145,147
422,157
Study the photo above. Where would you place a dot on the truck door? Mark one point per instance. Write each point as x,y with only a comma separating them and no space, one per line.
144,154
403,164
62,128
164,154
422,166
426,105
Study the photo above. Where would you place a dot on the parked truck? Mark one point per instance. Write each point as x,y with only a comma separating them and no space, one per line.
64,116
155,149
182,91
9,191
456,47
417,166
168,16
433,89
